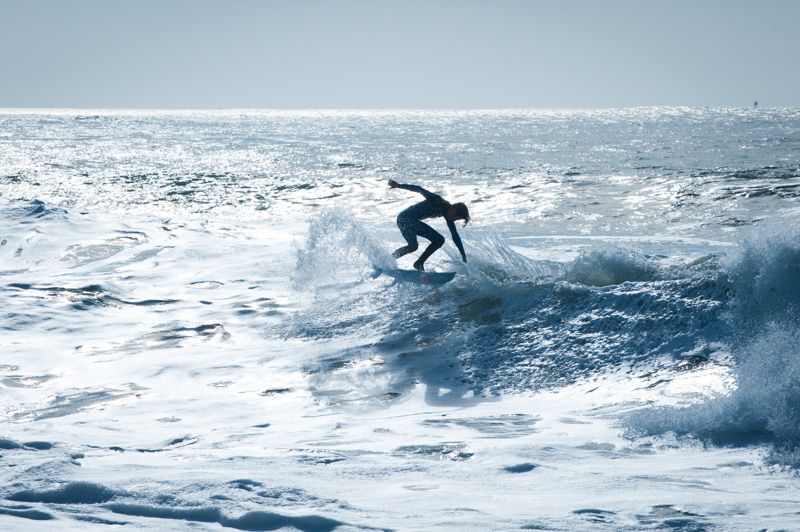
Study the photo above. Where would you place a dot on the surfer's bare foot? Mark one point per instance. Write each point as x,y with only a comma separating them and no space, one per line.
419,266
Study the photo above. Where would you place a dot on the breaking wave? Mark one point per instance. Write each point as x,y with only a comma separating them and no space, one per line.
764,330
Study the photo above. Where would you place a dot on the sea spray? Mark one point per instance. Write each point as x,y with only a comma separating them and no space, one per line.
764,273
490,257
338,249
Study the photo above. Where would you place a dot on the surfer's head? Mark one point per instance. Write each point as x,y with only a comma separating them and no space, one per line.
458,211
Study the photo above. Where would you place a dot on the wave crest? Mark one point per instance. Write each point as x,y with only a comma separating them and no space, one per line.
609,267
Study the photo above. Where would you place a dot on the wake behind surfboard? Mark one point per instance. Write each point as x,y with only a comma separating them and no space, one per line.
416,276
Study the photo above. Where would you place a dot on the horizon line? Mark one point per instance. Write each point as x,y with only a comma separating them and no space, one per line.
385,109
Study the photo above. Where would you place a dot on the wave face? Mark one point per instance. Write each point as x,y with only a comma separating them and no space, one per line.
515,323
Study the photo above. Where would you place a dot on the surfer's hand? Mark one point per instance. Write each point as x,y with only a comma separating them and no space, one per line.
393,183
463,258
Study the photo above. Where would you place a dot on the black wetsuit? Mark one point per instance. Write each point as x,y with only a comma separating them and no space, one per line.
411,226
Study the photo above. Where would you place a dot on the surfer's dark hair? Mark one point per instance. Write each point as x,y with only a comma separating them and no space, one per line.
462,211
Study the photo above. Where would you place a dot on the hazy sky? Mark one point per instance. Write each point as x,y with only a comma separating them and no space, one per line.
296,54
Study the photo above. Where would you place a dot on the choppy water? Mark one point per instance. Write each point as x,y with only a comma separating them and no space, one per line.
642,247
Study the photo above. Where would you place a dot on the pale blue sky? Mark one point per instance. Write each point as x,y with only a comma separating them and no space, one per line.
398,54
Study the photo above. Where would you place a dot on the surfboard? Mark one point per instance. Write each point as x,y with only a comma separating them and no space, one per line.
416,276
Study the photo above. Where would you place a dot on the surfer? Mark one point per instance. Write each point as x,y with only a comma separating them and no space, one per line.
411,225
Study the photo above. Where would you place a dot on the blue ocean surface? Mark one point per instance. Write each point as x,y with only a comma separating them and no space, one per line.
192,337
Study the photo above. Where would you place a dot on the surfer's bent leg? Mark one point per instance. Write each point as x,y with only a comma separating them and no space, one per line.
407,227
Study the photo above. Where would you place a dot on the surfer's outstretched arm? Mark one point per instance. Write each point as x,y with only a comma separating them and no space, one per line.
456,239
414,188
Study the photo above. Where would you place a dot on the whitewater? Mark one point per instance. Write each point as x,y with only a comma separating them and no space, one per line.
191,336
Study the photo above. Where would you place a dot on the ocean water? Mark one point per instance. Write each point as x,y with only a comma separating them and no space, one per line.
191,337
